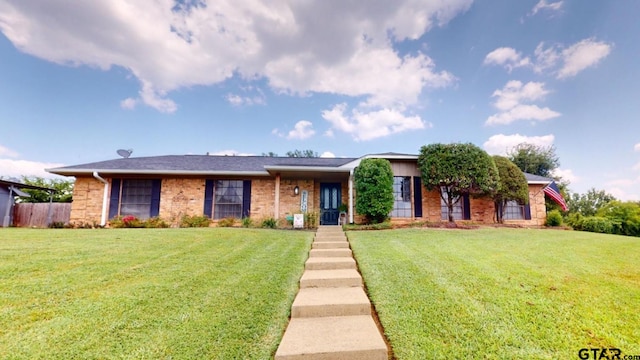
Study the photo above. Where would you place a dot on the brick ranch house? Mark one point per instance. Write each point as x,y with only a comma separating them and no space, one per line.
265,187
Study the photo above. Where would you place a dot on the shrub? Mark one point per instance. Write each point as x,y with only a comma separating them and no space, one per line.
597,224
311,220
57,225
227,222
374,189
195,221
554,218
155,223
247,222
130,221
270,223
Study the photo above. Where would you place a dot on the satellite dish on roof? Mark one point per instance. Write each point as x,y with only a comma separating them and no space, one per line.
124,153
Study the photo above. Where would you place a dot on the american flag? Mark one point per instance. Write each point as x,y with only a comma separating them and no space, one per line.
554,193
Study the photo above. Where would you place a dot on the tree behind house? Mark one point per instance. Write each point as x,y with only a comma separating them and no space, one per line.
373,180
63,190
457,169
535,159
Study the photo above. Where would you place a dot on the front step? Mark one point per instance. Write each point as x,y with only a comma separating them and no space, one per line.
343,337
330,253
330,245
324,238
330,278
322,302
329,263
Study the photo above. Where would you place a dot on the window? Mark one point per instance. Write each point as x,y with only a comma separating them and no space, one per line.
461,209
136,197
228,199
401,196
513,211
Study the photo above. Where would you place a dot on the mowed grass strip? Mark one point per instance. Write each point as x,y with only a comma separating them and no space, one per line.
147,293
502,293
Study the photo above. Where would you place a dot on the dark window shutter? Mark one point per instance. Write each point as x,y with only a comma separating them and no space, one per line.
466,207
208,198
417,197
155,197
114,199
246,198
527,211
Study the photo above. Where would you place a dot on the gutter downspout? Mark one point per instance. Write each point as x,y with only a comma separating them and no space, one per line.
351,196
105,197
7,216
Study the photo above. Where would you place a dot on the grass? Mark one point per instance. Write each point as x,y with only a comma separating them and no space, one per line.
147,293
502,293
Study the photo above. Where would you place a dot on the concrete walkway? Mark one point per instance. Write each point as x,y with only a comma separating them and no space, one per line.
331,315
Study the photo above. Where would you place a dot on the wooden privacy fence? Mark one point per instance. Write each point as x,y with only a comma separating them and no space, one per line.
35,214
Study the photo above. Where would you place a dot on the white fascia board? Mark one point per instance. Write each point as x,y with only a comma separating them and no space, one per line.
74,172
355,163
340,169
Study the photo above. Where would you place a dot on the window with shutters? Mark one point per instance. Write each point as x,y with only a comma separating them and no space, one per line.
227,199
514,211
135,197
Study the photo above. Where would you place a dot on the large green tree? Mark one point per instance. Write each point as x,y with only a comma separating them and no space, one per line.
512,186
63,189
589,203
373,181
535,159
457,169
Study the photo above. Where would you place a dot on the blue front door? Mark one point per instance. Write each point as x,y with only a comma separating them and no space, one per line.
330,197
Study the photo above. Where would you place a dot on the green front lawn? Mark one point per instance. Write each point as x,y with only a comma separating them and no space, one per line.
147,293
502,293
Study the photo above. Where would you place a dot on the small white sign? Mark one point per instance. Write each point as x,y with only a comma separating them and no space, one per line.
298,221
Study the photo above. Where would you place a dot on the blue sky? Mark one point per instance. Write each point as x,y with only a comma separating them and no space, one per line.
81,79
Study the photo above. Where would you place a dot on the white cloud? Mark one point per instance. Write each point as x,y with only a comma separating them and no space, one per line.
510,100
574,59
288,44
500,144
636,147
258,98
582,55
302,130
544,5
368,125
6,152
624,189
327,154
507,57
18,168
566,175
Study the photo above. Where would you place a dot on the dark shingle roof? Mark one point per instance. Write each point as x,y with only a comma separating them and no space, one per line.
202,164
531,178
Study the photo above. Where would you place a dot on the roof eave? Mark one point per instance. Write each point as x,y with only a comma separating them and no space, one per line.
74,172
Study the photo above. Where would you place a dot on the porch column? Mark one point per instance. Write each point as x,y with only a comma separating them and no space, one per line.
276,206
351,196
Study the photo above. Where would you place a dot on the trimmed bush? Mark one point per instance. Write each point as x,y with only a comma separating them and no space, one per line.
554,218
373,180
597,224
227,222
194,221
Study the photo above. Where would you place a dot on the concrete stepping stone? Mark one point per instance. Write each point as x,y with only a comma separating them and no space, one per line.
329,263
344,337
330,253
331,278
330,245
321,302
